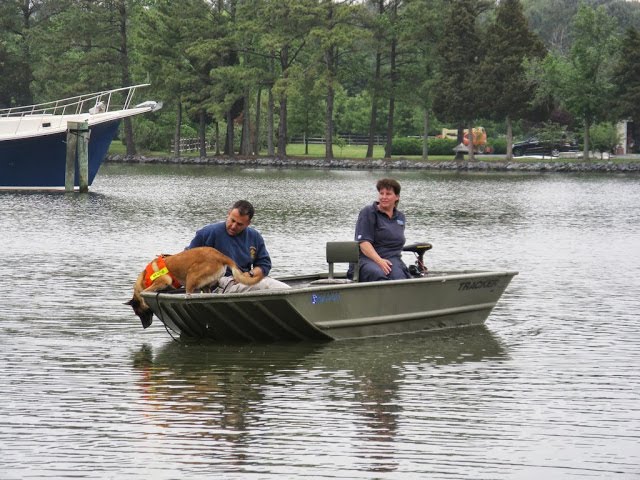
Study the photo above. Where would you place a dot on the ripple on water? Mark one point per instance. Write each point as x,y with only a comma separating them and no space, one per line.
549,388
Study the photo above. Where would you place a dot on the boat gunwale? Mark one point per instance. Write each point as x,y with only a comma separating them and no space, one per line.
438,277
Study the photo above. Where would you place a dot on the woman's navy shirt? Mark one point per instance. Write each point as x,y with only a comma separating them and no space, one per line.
384,233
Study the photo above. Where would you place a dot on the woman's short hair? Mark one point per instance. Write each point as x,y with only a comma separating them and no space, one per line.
390,184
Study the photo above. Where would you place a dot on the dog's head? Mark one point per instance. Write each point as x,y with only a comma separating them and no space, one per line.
142,311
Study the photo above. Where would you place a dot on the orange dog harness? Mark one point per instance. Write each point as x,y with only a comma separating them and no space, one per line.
151,273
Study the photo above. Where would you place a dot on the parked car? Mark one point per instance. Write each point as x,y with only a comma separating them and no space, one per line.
533,146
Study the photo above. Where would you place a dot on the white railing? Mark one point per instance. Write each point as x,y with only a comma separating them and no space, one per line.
102,101
50,116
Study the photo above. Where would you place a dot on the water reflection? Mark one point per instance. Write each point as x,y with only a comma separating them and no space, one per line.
238,396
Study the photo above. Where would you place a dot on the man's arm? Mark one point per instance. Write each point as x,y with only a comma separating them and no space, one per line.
262,261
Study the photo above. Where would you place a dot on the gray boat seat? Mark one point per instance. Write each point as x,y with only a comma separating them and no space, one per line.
340,252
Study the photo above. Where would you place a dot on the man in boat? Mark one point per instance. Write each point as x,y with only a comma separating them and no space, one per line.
243,245
380,233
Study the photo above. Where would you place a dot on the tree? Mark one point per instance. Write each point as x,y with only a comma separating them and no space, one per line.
306,102
604,138
550,20
375,85
285,28
337,34
85,47
393,74
505,86
123,10
419,36
626,77
457,98
219,81
21,22
165,33
583,80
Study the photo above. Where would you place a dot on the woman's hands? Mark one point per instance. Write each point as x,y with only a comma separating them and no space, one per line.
369,251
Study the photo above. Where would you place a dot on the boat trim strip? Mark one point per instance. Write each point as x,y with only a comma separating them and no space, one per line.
402,317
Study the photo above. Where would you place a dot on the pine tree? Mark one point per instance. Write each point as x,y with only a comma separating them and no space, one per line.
626,77
506,90
457,98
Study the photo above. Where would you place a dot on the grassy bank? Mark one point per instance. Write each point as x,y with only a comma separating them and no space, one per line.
359,152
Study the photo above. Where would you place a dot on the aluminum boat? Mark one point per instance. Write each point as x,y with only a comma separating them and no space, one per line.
327,306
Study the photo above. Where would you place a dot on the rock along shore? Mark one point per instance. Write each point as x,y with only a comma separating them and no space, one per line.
631,166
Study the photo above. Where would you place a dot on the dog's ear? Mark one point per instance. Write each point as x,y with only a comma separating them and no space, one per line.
133,302
146,318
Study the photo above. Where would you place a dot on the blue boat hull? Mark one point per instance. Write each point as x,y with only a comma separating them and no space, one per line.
40,161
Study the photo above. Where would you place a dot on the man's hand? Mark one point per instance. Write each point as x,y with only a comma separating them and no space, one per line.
254,273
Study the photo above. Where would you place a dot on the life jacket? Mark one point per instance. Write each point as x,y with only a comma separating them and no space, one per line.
156,269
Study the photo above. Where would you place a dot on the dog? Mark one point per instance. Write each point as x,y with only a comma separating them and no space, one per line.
195,269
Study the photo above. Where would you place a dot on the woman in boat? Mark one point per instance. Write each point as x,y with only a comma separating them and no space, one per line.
380,233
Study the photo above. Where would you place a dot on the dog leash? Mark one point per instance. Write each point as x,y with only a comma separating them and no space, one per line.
161,316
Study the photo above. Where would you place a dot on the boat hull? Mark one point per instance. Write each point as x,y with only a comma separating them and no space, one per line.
40,161
325,312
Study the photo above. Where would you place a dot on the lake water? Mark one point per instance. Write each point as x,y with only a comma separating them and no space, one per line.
549,388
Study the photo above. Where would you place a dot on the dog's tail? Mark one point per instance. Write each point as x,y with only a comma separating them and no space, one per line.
244,277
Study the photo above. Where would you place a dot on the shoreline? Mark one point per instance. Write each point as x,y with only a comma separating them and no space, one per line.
596,166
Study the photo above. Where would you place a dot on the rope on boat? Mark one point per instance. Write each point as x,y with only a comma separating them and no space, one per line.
161,317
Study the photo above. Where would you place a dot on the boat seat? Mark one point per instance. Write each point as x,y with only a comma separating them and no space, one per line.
340,252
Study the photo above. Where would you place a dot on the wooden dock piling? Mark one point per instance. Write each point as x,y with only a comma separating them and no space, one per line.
77,154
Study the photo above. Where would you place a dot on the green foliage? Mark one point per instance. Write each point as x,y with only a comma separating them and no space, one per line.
498,145
339,142
626,77
457,98
505,86
441,146
551,19
79,51
352,114
583,79
149,134
205,57
604,137
406,146
550,132
413,146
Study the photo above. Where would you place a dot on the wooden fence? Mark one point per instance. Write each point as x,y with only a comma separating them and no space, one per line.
193,144
348,138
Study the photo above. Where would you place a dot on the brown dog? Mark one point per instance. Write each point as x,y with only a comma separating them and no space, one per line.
195,269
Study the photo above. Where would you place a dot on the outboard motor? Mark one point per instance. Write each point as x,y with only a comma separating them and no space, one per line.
418,269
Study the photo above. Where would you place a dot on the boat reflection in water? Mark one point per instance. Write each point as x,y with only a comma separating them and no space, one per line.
237,397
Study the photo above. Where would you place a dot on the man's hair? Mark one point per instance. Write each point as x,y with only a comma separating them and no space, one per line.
244,208
389,183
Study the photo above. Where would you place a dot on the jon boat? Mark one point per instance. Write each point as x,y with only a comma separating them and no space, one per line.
33,138
327,306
